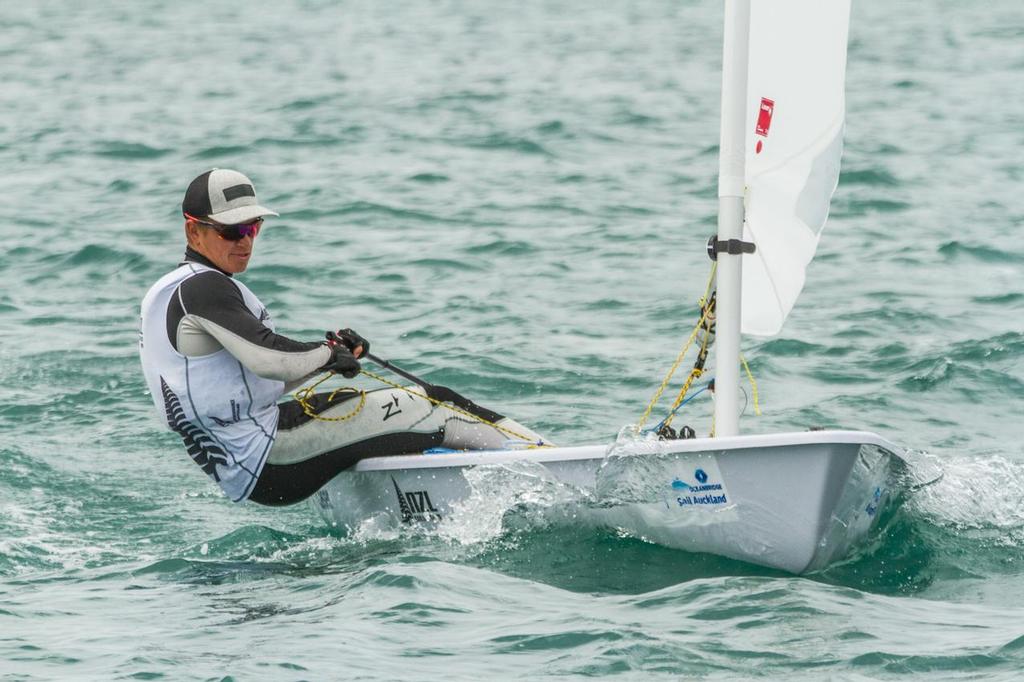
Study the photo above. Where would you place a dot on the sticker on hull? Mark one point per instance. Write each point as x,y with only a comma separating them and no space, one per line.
415,505
697,485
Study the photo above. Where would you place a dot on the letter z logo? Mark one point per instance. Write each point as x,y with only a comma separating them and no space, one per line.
391,408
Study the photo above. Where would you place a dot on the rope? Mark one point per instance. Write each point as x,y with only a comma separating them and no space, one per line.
695,374
667,420
682,353
668,377
304,394
753,385
698,370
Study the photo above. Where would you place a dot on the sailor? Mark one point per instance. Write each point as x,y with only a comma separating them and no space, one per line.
216,370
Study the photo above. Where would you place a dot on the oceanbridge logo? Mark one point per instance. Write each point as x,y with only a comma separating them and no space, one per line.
703,493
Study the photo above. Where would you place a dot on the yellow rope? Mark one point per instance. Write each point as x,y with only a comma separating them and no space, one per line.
682,354
753,390
304,394
711,281
671,372
695,374
753,385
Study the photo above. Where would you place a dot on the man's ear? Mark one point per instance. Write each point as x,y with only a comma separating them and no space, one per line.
191,233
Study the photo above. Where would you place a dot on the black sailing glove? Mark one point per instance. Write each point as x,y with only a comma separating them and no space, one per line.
350,339
342,361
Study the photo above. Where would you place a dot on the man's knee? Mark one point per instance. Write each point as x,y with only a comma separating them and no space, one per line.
446,395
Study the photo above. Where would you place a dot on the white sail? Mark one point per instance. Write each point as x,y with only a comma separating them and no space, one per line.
795,115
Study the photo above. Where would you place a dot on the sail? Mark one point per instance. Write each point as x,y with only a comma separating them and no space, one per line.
795,114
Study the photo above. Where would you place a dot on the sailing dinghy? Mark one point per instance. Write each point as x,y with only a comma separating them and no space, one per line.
791,501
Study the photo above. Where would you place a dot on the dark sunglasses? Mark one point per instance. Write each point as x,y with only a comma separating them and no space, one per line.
232,233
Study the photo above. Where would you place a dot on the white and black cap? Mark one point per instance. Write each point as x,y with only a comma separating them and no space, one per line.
223,195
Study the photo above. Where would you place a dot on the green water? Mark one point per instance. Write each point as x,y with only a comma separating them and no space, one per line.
512,200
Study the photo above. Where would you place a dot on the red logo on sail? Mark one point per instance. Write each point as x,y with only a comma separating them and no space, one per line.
764,120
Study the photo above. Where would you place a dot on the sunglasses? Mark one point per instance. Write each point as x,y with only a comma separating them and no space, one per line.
232,233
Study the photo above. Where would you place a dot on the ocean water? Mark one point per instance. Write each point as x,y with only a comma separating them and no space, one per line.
511,199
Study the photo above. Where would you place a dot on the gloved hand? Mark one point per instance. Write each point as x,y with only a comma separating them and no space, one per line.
350,339
342,361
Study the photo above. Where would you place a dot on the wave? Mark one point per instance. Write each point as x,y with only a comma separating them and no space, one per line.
972,364
966,524
868,176
359,209
129,151
500,141
987,254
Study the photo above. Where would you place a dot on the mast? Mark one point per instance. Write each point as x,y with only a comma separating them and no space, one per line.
732,151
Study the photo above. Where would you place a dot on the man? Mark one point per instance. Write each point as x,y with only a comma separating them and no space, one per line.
216,369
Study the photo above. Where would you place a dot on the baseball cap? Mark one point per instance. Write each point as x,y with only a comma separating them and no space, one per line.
223,195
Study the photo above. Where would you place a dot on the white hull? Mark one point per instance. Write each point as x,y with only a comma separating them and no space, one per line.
792,501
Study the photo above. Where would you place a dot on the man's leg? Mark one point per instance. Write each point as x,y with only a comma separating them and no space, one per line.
465,433
308,452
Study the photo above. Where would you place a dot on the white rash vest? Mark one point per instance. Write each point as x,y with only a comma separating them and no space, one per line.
216,369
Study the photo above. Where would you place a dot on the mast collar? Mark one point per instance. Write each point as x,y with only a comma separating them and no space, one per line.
733,247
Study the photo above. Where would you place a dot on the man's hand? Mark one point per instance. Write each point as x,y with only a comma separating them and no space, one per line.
342,361
355,343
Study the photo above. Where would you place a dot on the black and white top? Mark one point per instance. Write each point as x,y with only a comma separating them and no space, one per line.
216,369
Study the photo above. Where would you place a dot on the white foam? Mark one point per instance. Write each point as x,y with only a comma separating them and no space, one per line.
973,492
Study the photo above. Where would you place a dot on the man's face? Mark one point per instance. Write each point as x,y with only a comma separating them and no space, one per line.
229,256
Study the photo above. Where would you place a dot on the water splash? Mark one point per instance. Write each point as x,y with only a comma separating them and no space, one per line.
978,494
624,478
515,497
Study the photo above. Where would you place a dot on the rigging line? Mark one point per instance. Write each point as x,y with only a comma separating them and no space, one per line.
707,313
667,420
711,282
753,385
303,395
698,364
671,372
